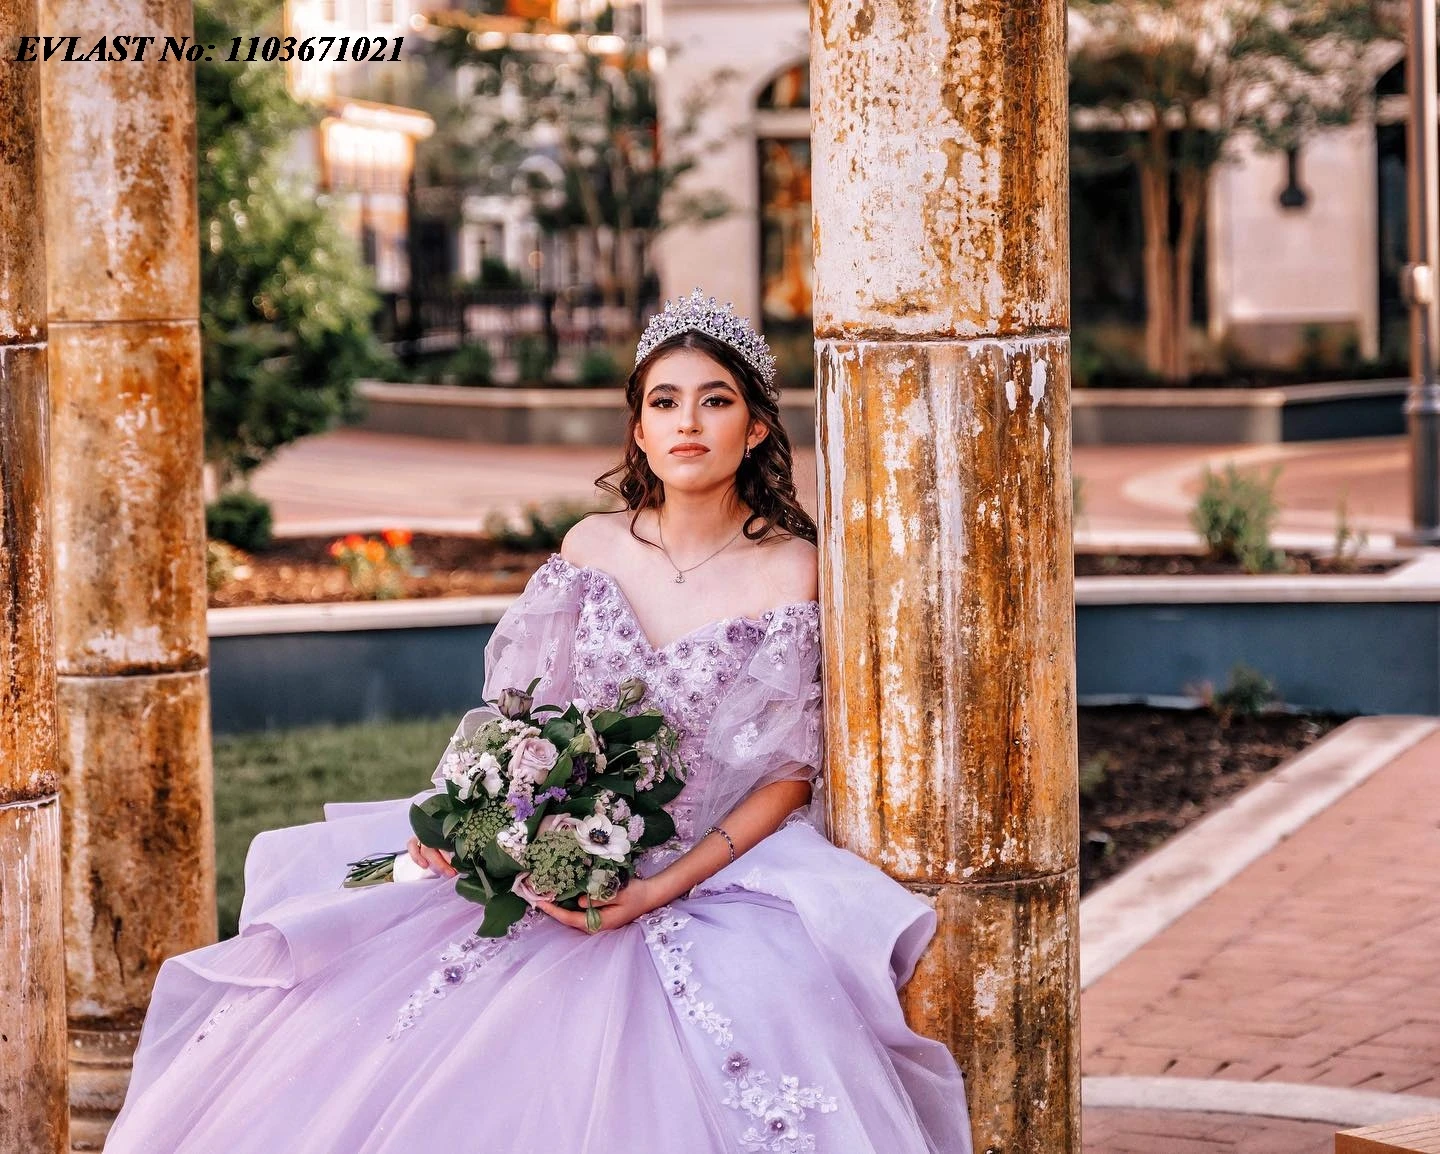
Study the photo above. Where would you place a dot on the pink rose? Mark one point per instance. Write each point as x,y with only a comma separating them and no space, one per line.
521,888
532,759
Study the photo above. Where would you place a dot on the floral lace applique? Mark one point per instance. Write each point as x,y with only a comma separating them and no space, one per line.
459,962
673,956
778,1113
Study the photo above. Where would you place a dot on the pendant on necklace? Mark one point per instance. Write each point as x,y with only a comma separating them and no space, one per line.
679,578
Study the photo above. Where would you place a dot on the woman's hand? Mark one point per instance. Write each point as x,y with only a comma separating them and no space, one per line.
634,900
437,859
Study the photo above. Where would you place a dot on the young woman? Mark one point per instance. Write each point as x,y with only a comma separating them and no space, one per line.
739,994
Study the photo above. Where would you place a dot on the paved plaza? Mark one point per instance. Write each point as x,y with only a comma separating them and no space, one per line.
353,479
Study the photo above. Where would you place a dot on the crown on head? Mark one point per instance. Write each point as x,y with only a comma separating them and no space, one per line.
703,315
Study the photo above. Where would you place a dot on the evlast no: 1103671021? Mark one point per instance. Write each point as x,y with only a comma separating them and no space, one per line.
140,49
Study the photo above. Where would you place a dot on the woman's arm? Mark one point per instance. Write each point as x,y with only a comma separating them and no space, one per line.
748,824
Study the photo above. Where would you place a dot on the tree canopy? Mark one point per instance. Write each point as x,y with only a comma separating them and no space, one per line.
285,301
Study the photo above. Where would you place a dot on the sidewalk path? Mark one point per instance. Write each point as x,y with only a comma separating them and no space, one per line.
352,479
1318,965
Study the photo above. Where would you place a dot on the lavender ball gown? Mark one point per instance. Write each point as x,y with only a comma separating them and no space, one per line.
757,1014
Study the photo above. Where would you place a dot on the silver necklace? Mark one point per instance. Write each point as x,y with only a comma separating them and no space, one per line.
679,572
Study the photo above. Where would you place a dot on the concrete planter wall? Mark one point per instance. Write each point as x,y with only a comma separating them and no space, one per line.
1364,644
1316,412
575,416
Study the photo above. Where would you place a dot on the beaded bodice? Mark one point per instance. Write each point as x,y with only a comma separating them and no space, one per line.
686,679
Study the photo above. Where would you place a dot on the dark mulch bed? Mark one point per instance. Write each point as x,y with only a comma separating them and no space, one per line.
299,570
1189,564
1145,774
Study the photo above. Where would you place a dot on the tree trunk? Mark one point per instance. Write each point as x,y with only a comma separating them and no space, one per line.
1159,257
1194,183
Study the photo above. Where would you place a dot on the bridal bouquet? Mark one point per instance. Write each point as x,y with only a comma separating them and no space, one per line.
546,808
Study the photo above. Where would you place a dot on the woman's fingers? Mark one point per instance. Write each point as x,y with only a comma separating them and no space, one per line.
413,848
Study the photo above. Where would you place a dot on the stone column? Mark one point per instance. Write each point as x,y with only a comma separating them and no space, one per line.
941,318
32,954
120,171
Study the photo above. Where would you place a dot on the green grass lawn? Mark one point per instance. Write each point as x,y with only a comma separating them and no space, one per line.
264,781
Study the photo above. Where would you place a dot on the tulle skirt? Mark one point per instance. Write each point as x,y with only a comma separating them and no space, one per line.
760,1013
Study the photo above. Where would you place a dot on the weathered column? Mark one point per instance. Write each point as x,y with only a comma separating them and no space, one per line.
32,954
120,170
941,316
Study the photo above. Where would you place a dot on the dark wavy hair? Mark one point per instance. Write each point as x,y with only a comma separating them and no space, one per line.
765,481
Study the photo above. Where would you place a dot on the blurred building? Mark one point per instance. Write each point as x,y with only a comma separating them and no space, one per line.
1269,277
363,152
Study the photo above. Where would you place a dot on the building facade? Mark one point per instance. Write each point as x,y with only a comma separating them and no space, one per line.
1277,284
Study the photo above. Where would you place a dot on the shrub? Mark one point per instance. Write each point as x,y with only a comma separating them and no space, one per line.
1092,774
1247,694
1234,515
543,527
222,564
471,365
600,367
533,361
1349,542
240,518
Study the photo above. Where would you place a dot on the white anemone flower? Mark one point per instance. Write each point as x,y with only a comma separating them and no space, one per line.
603,838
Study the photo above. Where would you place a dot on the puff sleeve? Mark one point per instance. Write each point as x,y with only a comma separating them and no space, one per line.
769,727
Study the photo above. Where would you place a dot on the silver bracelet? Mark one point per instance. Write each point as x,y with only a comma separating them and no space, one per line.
726,836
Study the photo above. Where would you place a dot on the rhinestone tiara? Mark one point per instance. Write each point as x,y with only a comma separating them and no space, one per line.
702,314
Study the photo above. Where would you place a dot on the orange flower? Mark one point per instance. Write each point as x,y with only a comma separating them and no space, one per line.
354,541
397,538
374,552
337,548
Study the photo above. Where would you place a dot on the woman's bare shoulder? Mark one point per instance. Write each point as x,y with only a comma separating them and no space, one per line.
591,539
792,566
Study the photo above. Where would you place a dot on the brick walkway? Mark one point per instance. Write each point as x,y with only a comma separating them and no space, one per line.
1181,1132
368,478
1320,963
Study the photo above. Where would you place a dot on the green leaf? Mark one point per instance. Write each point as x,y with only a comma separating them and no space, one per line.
501,912
611,781
663,792
659,828
564,767
428,828
447,827
498,863
558,730
473,890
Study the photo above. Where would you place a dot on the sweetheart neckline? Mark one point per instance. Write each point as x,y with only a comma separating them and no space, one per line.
764,620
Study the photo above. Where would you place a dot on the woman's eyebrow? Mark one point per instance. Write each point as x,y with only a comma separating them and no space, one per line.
669,388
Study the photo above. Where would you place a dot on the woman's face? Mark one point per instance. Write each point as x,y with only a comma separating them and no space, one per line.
689,399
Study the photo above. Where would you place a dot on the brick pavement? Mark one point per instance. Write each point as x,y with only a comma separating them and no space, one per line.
1184,1132
1320,964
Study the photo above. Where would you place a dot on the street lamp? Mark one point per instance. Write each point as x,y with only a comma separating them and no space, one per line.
1422,407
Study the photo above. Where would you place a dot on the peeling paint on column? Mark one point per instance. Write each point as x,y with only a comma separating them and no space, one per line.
941,303
33,1113
125,371
945,136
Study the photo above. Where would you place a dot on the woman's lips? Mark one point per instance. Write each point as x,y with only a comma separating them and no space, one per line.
692,451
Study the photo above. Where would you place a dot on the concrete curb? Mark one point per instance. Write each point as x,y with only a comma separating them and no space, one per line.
1121,916
1296,1102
